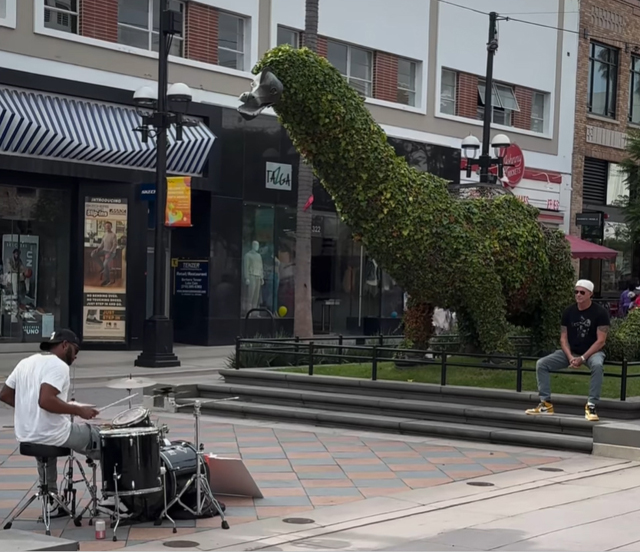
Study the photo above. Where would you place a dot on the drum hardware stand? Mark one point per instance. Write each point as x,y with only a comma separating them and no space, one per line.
117,515
203,489
92,507
70,493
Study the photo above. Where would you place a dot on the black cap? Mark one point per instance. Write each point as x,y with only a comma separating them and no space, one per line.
58,337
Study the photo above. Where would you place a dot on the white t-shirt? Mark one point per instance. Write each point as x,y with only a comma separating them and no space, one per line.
33,424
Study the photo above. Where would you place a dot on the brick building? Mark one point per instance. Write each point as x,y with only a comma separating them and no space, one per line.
607,106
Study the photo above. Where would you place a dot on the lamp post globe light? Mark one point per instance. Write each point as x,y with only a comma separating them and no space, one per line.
160,109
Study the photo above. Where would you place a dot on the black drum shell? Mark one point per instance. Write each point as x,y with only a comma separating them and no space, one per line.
135,454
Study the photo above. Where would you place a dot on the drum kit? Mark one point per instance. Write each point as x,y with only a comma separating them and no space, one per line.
143,470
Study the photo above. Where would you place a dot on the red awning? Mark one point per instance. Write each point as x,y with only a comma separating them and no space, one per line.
583,249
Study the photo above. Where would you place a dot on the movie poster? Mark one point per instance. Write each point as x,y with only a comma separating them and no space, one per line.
105,269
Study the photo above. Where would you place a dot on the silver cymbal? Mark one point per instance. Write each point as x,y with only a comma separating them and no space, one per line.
131,383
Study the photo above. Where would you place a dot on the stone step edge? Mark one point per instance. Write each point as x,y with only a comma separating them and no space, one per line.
422,389
408,426
426,407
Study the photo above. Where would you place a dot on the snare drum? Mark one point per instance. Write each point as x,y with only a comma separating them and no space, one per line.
133,454
134,417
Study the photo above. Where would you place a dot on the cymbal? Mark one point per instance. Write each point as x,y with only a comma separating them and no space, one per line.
131,383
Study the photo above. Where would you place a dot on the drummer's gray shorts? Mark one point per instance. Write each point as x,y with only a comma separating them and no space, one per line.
84,439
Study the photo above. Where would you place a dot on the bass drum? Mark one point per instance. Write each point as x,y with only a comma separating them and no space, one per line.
180,460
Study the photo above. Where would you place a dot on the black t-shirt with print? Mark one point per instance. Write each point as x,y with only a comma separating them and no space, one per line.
582,326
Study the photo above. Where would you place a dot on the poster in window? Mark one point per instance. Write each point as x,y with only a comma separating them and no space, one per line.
19,279
105,269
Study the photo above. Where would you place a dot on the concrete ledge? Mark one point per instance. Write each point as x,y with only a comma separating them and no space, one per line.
616,451
24,540
472,396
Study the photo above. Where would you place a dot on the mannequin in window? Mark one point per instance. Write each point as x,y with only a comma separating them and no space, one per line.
253,275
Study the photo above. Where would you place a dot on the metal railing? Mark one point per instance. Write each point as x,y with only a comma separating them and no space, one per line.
333,351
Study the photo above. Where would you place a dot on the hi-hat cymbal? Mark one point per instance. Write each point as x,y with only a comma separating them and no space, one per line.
131,383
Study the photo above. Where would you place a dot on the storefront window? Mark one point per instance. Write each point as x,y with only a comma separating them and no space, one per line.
268,259
616,273
34,267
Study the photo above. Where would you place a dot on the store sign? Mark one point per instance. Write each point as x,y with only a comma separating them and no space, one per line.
178,211
278,177
191,278
147,192
105,269
514,166
588,219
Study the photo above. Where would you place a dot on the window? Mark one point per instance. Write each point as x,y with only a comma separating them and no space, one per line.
288,36
503,102
617,190
61,15
407,81
603,80
139,24
355,64
538,101
634,91
448,92
231,41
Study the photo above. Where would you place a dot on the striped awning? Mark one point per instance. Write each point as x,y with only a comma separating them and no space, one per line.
70,129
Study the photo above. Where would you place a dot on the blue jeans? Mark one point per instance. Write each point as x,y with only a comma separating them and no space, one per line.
105,263
558,361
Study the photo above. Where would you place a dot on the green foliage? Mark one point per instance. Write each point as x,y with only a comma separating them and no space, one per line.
488,259
623,340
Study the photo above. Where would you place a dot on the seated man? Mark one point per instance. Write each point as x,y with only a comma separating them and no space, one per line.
37,389
582,336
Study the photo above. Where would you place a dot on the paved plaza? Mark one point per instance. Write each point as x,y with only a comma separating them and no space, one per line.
297,471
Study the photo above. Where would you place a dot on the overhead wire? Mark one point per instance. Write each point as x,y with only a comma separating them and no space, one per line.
583,32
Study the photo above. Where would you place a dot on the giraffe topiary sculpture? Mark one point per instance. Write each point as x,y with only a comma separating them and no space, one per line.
490,260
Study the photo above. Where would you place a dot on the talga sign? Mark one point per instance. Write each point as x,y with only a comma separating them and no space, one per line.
514,166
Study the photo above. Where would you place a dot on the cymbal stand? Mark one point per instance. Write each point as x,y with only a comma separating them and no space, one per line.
203,489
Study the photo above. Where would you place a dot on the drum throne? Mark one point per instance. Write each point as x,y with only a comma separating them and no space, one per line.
49,497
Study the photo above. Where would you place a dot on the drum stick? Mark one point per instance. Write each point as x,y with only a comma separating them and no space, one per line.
117,402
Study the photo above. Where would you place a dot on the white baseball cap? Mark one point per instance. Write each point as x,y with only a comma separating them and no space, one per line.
586,284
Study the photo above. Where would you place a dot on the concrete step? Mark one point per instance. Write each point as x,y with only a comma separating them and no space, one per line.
470,396
14,539
407,408
395,424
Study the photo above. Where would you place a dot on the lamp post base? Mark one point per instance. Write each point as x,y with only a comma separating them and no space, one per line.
157,348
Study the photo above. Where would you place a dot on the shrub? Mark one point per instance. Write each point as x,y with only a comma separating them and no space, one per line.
624,338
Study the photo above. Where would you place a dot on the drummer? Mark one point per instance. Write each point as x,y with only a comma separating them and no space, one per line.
38,388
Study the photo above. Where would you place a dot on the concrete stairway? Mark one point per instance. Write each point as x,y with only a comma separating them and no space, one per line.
489,415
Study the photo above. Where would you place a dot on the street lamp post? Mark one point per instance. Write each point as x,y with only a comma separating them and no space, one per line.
471,144
157,348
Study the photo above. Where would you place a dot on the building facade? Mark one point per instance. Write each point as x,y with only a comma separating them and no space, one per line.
76,180
607,106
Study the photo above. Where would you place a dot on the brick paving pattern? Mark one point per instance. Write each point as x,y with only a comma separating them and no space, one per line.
296,471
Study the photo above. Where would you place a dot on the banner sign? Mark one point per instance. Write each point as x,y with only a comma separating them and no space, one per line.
178,211
278,177
105,269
